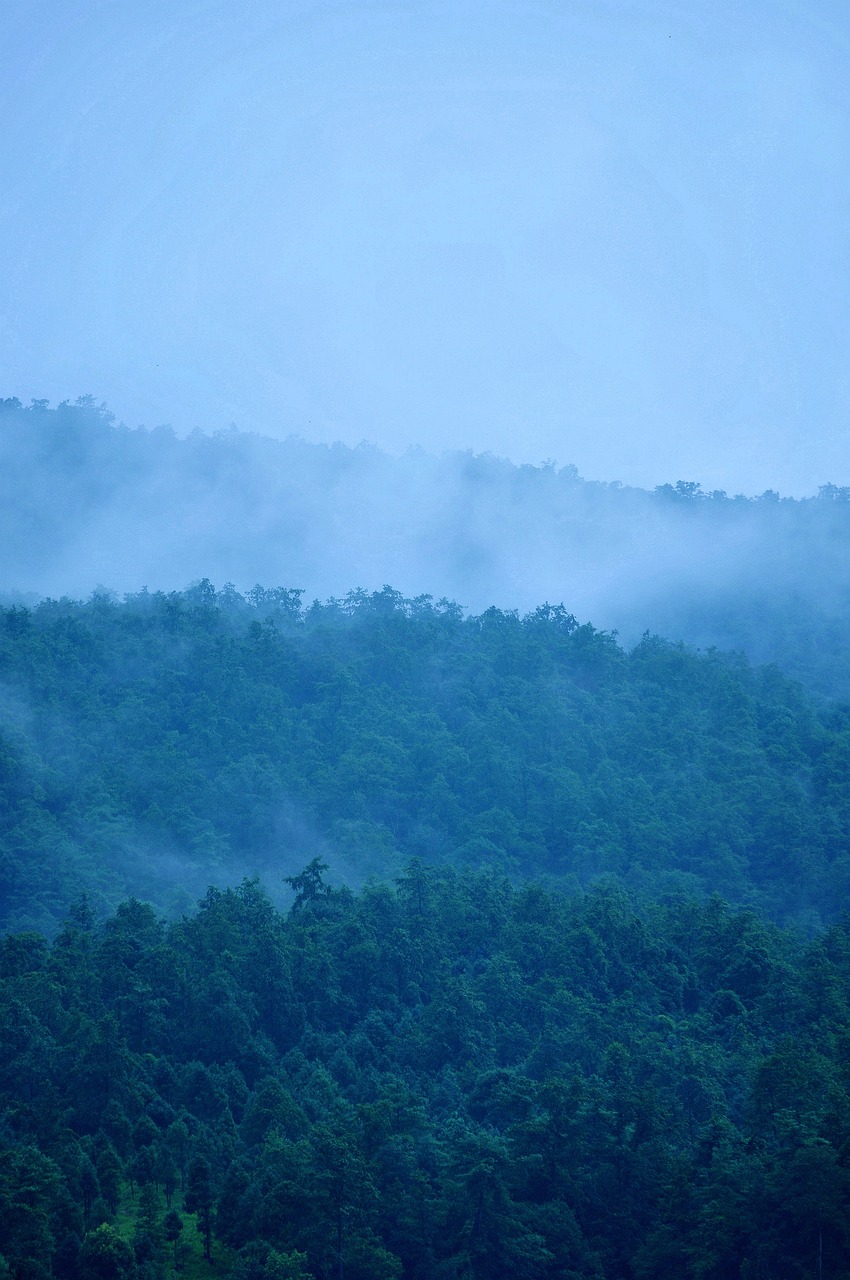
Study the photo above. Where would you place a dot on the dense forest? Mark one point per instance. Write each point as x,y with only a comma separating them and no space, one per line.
85,501
159,744
377,938
440,1077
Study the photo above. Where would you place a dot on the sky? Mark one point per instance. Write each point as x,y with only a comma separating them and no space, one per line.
614,235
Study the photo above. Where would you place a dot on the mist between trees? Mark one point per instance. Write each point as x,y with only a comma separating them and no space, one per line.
160,744
86,503
521,947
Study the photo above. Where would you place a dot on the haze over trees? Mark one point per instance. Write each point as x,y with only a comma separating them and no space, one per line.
85,503
379,938
153,745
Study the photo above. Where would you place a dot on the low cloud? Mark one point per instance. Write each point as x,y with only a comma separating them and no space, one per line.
88,503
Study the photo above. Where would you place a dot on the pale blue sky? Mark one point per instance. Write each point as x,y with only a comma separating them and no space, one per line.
612,234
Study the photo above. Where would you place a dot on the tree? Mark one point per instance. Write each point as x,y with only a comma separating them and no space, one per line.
29,1187
89,1187
173,1229
309,886
110,1174
177,1141
106,1255
199,1200
165,1172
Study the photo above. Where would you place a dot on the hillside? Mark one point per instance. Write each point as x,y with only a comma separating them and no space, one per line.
444,1077
171,741
521,948
87,503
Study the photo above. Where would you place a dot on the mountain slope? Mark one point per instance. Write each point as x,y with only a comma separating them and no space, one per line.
84,502
172,741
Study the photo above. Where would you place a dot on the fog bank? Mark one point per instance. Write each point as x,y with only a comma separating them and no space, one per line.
85,503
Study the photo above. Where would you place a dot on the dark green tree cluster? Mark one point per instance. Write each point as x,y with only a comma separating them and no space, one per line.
446,1077
154,746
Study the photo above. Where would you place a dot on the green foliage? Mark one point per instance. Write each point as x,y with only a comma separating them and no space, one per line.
541,1045
154,746
462,1078
30,1200
106,1255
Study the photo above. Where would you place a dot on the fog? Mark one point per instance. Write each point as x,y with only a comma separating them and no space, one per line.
611,234
86,503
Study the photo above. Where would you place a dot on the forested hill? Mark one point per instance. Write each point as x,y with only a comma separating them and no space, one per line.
490,1015
161,744
84,502
441,1079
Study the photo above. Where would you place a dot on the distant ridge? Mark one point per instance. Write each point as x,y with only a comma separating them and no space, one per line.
85,502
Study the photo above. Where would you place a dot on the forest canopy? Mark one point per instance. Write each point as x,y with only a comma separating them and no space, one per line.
435,1078
159,744
386,938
